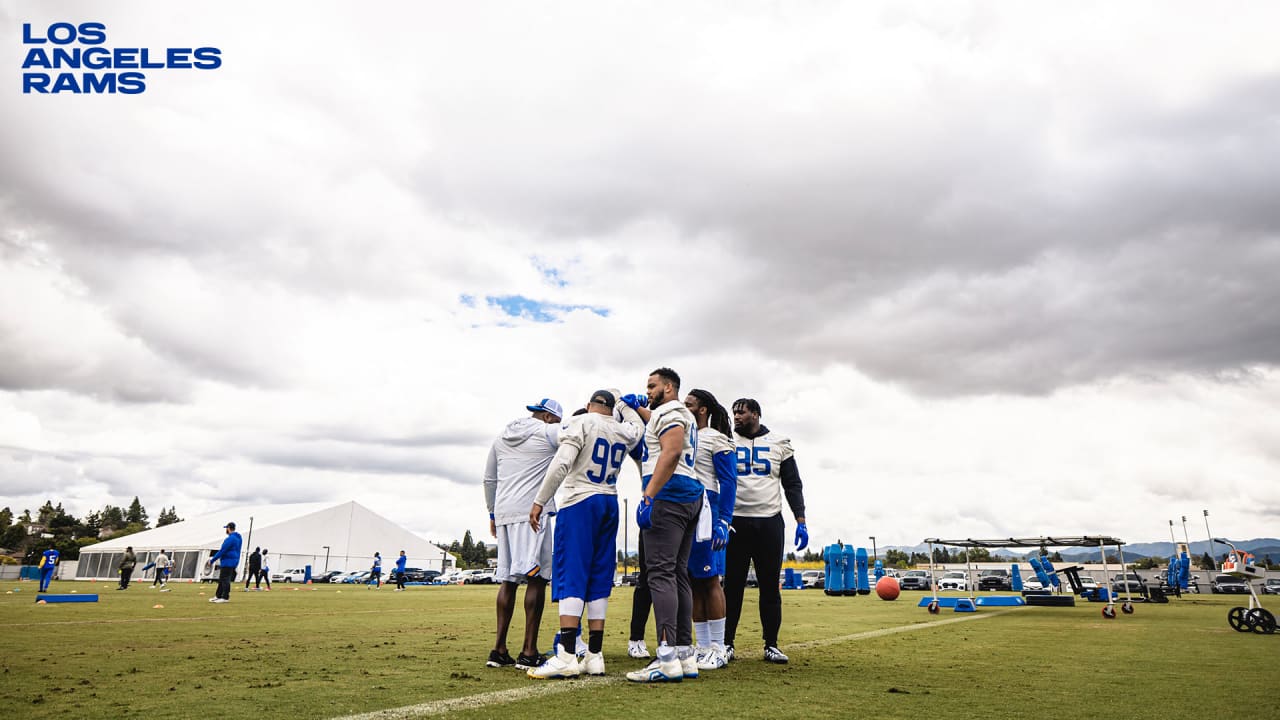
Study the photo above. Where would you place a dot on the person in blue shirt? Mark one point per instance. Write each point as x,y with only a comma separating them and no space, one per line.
48,562
375,574
400,563
228,557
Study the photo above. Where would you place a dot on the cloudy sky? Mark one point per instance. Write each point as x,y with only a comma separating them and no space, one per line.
997,268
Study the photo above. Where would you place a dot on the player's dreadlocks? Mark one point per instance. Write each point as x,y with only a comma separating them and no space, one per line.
718,417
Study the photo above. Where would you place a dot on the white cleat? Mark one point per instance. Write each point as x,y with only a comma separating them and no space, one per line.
592,663
637,649
712,659
561,666
689,667
658,671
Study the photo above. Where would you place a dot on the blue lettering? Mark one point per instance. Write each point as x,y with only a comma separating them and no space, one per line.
147,62
62,33
179,58
35,81
208,58
28,40
132,83
36,57
93,33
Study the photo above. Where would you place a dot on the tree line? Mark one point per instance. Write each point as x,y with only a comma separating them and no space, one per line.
472,554
24,537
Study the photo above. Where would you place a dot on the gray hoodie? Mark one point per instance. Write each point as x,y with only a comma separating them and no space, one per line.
517,463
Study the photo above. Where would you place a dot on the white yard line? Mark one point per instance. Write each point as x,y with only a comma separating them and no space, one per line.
551,687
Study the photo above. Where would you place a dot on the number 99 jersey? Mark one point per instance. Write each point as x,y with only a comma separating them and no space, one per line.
760,474
592,449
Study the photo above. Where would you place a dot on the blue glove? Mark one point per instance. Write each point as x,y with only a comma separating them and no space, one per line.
644,513
720,535
802,537
635,401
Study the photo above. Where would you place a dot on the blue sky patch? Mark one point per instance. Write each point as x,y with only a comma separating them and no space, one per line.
525,308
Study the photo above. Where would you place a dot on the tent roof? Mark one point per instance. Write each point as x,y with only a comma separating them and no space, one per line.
207,530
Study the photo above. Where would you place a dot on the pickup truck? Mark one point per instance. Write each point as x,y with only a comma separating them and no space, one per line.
995,580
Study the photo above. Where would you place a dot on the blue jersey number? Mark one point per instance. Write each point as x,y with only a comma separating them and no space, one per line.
751,461
609,458
693,446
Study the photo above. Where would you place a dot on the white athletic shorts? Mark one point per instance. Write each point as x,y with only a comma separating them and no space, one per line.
520,549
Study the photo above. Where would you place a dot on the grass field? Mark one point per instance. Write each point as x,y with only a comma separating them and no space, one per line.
317,652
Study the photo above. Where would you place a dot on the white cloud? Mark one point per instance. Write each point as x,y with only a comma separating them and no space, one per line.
997,270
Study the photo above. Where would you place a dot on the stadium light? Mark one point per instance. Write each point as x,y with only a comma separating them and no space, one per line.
873,547
326,557
1213,552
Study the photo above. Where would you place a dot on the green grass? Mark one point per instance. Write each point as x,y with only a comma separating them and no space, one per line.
321,653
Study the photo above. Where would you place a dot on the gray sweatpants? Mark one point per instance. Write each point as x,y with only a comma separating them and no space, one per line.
666,550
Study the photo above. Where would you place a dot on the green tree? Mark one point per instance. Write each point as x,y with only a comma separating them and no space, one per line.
895,558
136,513
1205,562
918,559
1056,557
168,517
1147,563
112,518
979,554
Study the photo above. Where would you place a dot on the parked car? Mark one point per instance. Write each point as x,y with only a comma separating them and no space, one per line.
954,580
752,581
631,579
420,575
1031,583
1128,582
291,575
915,580
1270,586
328,577
1229,585
1087,583
816,579
997,579
480,577
355,576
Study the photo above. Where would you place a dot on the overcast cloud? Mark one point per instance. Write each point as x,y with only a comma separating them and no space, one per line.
997,268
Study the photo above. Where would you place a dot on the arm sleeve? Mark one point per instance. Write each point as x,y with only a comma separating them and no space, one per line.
491,478
727,474
560,465
792,487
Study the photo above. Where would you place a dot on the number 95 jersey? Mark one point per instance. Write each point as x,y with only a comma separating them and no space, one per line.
760,474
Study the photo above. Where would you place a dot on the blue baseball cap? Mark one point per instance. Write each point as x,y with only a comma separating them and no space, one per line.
546,405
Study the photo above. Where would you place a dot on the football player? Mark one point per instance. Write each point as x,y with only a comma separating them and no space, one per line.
592,450
716,471
766,470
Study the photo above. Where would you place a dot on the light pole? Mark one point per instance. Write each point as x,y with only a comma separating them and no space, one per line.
326,557
1213,553
626,538
873,548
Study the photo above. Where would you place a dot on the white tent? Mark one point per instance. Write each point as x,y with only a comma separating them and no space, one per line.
324,536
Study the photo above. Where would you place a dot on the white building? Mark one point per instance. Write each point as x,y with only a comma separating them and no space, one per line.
326,537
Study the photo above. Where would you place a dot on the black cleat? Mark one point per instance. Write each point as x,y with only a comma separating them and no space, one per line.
499,659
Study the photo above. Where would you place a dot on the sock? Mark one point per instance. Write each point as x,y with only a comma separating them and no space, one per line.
684,652
701,633
716,630
567,635
666,652
595,640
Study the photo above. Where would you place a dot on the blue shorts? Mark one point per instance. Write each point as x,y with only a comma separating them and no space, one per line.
586,549
705,562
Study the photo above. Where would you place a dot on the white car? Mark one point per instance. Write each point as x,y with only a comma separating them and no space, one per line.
1088,583
290,575
1032,583
954,580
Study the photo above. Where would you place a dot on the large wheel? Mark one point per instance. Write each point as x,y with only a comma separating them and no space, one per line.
1127,608
1261,621
1237,619
933,607
1109,612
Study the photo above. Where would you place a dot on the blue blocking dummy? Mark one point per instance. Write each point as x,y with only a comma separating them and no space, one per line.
864,581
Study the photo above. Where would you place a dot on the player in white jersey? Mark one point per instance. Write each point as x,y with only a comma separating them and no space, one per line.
585,468
716,471
766,470
517,464
667,515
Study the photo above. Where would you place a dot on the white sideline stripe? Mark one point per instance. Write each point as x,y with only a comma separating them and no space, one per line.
496,697
551,687
892,631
